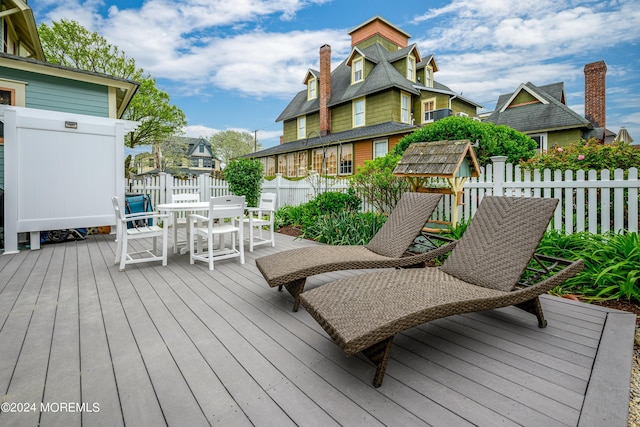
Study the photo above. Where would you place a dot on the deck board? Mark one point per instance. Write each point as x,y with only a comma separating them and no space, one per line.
182,345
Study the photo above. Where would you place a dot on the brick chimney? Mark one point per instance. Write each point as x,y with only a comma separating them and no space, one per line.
325,89
595,105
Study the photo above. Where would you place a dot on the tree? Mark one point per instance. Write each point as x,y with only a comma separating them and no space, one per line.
377,185
70,44
230,144
493,140
245,179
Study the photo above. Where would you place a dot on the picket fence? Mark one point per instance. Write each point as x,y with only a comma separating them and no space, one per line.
588,200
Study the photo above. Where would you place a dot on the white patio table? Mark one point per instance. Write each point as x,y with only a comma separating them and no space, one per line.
175,209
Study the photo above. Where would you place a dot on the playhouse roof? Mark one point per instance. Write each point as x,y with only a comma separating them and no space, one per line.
442,159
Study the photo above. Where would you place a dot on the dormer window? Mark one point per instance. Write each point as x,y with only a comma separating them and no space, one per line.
312,89
411,68
357,70
428,77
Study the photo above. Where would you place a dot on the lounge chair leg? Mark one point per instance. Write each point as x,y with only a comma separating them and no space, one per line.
533,306
295,288
379,354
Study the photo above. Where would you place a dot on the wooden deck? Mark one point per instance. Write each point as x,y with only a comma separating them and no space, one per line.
183,346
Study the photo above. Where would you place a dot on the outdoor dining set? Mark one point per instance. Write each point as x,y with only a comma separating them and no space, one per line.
203,221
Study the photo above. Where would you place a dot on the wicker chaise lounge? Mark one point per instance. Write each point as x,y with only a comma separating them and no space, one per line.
291,268
484,271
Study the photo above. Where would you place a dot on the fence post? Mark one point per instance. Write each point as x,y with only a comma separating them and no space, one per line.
162,197
278,182
497,179
205,193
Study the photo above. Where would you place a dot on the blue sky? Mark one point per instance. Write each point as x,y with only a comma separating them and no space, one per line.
236,64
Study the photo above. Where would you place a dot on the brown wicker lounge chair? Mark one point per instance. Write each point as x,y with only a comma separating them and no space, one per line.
291,268
484,271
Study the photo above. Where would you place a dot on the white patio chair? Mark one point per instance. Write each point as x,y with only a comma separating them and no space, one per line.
222,218
138,231
260,217
180,218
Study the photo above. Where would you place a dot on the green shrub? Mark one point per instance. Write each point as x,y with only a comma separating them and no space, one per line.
289,216
493,140
377,185
612,263
245,179
345,228
586,155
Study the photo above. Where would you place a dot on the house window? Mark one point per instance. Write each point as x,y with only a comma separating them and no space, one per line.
380,148
428,108
302,127
346,159
404,108
358,73
302,163
282,165
201,148
291,164
428,77
271,166
312,93
541,140
325,160
411,68
358,113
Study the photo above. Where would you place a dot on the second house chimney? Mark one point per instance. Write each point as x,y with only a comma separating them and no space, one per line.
595,105
325,89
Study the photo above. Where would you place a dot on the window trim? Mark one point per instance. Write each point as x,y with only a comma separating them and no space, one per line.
301,131
354,63
411,68
354,104
403,96
378,142
424,110
312,89
347,167
428,76
544,141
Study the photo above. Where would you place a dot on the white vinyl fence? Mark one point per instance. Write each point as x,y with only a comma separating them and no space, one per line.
588,200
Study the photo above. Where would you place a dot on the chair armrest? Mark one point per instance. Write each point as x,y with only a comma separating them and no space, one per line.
144,215
568,270
196,216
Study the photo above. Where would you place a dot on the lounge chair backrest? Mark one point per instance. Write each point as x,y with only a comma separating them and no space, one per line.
404,224
501,239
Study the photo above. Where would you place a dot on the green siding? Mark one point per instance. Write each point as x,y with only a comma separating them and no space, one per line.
290,130
341,118
390,46
59,94
523,97
382,107
564,137
313,123
290,127
463,107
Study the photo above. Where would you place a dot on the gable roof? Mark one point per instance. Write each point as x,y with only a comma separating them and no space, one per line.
21,17
381,77
551,113
441,159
